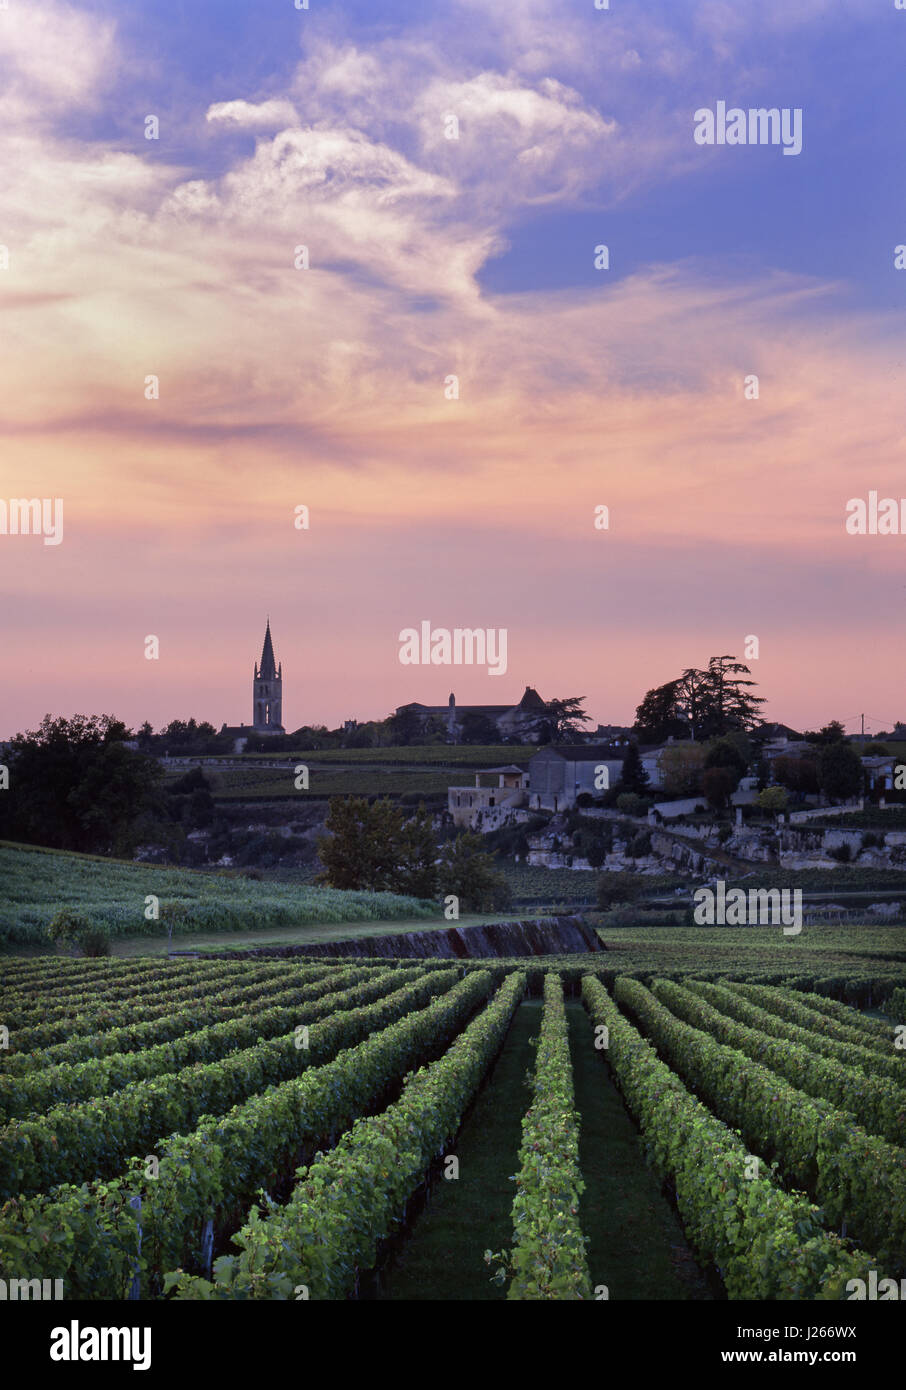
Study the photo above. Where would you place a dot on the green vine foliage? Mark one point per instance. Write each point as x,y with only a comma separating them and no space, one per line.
352,1198
858,1178
88,1235
548,1259
103,1036
764,1242
66,1083
799,1008
867,1060
95,1138
878,1104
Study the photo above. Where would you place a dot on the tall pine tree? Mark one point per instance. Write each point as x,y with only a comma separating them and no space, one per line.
633,777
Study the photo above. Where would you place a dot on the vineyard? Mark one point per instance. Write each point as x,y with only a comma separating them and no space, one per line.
289,1129
37,883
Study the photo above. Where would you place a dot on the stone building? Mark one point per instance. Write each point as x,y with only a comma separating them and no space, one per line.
560,772
511,721
506,794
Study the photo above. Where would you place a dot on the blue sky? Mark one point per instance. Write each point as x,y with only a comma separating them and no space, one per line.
833,212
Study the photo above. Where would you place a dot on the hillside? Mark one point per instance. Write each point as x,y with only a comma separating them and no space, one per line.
37,883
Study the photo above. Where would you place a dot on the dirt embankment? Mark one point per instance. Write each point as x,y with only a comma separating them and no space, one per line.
545,936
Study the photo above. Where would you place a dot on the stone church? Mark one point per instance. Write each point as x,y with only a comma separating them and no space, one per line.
267,696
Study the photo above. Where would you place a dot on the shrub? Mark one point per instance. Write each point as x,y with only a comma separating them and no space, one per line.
843,854
95,942
631,804
718,784
69,929
468,873
618,888
773,800
640,844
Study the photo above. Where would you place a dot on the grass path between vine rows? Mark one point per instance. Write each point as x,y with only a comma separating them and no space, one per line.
636,1244
443,1258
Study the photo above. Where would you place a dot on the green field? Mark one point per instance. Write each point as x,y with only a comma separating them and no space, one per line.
425,771
424,755
262,784
37,883
830,952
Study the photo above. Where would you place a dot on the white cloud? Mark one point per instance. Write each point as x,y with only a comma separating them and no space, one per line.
262,115
54,59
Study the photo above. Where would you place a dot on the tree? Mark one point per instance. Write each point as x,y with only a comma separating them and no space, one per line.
694,702
415,873
840,771
773,800
560,721
405,727
374,846
730,705
478,728
657,717
718,785
73,785
682,765
596,854
362,737
700,703
633,777
619,887
725,753
833,732
467,872
409,727
799,775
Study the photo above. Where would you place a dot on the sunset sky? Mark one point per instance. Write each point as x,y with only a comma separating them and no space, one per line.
428,256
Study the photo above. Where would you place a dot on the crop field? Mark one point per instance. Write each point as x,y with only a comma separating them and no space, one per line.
273,1130
462,755
277,784
417,771
37,883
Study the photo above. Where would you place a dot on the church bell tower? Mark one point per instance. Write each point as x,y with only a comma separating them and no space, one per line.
267,690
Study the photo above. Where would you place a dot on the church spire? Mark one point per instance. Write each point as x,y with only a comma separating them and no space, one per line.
268,668
267,690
